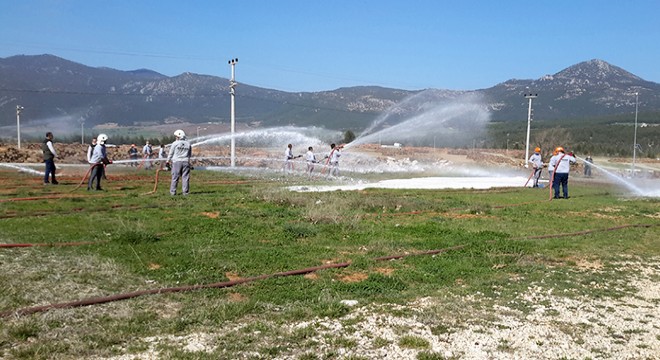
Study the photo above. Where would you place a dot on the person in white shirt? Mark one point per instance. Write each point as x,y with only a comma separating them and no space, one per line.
161,152
335,154
537,165
561,163
90,150
311,160
146,154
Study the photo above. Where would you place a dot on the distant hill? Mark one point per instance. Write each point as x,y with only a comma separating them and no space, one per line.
588,89
52,87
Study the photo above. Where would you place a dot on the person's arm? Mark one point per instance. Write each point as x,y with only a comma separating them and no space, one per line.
171,153
51,148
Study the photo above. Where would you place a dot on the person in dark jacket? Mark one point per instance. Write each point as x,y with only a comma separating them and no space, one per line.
49,158
133,154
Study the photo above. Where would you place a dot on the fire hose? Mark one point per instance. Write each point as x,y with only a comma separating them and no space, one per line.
52,244
530,176
157,175
82,181
552,178
225,284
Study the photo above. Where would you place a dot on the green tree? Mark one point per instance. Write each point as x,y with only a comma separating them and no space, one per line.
348,136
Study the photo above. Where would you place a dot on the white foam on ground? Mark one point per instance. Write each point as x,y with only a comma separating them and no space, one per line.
424,183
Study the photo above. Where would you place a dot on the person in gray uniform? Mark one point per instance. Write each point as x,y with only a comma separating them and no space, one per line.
98,160
537,163
179,160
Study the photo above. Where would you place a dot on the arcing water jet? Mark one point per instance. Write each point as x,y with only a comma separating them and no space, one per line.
629,185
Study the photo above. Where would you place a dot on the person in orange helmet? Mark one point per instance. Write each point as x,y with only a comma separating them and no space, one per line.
562,165
537,164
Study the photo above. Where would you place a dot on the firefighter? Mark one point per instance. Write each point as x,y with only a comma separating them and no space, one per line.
179,160
537,164
98,160
562,165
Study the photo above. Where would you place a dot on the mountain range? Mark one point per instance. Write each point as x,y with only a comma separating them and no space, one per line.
50,87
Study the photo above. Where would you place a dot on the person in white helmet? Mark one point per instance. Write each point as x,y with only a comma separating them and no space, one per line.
98,161
179,160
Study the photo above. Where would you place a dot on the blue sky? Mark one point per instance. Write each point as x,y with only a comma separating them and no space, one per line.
310,45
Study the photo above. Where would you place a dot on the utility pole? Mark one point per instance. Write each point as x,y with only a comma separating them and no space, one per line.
18,124
635,137
232,86
529,122
82,131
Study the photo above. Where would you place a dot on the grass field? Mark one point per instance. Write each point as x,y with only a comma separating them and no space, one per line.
515,275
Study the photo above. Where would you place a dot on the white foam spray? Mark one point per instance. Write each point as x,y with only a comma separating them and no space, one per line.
638,187
442,122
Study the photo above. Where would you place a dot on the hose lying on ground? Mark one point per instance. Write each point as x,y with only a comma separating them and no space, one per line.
117,297
52,244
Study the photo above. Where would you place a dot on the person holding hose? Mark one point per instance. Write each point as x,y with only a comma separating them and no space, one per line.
98,160
335,154
537,165
288,158
311,160
179,160
562,165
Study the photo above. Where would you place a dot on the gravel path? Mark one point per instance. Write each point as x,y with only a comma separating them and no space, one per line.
537,324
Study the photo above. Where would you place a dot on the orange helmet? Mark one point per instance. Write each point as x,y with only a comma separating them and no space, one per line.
538,150
559,148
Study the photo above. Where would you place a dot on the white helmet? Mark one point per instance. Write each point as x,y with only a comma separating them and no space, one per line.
102,138
180,134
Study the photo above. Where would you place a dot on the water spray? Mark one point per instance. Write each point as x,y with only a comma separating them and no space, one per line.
618,179
453,123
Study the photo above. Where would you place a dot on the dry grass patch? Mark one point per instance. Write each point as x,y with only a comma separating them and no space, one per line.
212,215
587,264
236,297
385,271
232,276
311,276
353,277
